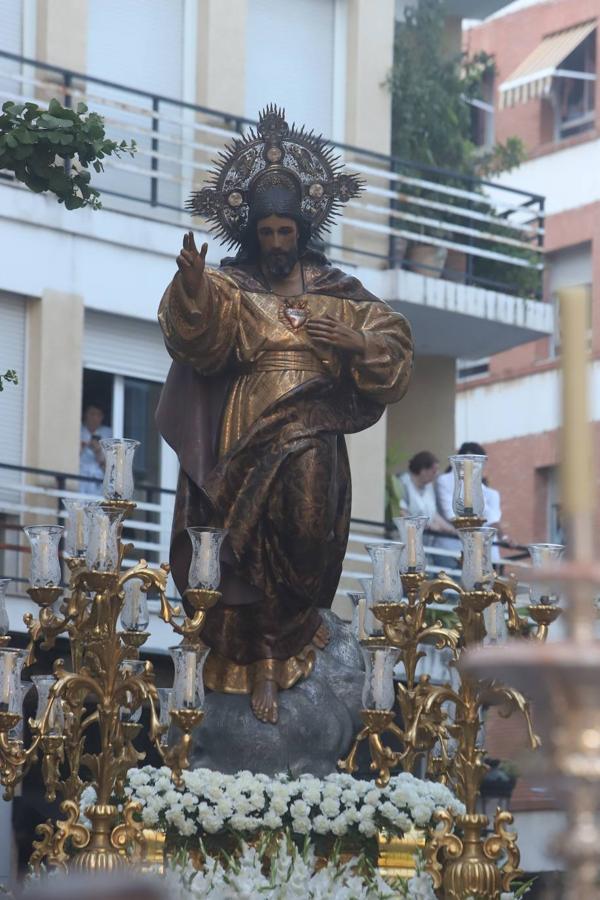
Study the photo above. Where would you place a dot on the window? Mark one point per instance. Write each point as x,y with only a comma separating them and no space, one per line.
482,114
574,92
567,268
469,369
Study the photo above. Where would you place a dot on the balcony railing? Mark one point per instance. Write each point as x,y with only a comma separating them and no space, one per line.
428,220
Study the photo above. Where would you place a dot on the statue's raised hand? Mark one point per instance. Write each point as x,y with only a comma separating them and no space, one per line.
191,264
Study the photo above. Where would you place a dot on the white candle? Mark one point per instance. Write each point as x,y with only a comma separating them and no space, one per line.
80,529
492,625
103,534
44,556
7,673
468,484
379,679
189,685
477,557
411,545
362,612
135,602
119,470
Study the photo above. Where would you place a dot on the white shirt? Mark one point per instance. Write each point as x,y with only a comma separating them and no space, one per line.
416,501
88,464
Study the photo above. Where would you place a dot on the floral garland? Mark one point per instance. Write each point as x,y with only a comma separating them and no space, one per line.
338,805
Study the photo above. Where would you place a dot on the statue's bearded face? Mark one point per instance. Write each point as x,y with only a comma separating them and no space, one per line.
278,242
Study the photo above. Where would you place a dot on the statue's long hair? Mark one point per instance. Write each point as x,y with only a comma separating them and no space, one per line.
249,252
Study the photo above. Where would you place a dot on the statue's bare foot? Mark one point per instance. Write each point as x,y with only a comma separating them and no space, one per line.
264,701
322,636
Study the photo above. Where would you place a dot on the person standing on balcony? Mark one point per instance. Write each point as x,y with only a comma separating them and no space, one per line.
277,355
416,491
91,457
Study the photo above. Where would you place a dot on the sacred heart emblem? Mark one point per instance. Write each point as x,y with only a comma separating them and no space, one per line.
296,316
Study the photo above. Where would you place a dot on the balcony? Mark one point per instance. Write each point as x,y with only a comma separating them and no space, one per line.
483,222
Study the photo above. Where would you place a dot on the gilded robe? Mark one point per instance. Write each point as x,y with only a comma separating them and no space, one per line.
257,414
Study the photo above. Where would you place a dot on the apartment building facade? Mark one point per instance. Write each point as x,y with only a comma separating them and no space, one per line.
545,55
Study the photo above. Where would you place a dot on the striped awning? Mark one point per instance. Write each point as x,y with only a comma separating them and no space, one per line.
533,78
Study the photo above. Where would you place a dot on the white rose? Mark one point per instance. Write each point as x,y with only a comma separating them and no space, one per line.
270,820
373,797
321,825
301,825
279,806
212,823
299,809
367,827
149,816
422,814
339,825
187,828
330,807
311,795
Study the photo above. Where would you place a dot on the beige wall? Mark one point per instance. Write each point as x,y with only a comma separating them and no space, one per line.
54,354
221,54
367,462
424,419
61,33
370,53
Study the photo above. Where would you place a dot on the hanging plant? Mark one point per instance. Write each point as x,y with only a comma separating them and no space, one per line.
51,150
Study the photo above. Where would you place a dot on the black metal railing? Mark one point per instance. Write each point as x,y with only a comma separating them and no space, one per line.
414,217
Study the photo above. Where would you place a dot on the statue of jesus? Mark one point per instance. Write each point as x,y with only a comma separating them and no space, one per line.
277,355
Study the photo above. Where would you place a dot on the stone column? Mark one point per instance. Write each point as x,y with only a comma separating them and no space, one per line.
424,419
61,33
54,377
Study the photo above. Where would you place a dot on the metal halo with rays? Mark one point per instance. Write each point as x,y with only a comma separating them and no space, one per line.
295,157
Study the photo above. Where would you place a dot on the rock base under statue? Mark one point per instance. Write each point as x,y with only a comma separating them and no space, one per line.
318,718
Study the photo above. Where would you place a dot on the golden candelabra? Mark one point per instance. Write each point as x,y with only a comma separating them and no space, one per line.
443,723
87,720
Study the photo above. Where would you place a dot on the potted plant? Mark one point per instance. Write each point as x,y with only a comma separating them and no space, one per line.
431,126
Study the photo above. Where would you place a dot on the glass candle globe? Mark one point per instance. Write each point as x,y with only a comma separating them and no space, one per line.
188,683
11,666
166,699
127,712
205,567
102,553
477,572
134,614
387,586
45,564
369,625
358,613
43,684
118,470
467,497
76,531
496,628
410,529
545,556
378,688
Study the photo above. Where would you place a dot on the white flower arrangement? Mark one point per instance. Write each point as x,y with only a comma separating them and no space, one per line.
338,805
291,875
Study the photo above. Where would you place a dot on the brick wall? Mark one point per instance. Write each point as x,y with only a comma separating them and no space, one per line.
511,38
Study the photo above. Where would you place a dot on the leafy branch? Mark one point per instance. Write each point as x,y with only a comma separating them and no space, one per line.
9,376
51,150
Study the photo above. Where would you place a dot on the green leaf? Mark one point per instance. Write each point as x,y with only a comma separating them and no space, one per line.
54,121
